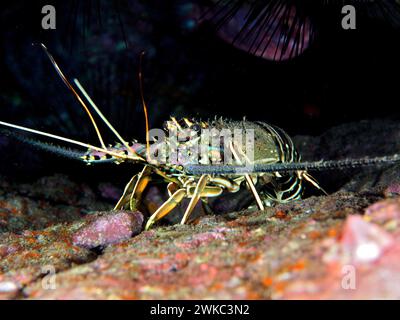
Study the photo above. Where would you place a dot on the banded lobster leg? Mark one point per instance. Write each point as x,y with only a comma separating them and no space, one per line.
134,190
249,181
166,207
135,187
201,190
196,196
306,176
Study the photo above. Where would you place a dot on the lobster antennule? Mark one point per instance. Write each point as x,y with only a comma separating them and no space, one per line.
71,88
103,117
91,102
146,117
293,166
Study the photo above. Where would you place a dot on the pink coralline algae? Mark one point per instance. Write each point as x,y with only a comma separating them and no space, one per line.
8,289
108,229
361,242
364,241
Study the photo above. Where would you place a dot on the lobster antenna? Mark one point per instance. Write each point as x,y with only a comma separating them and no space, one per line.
69,86
102,116
71,141
69,153
144,106
293,166
62,151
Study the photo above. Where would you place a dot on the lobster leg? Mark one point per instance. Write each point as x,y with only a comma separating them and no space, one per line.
248,180
136,195
254,191
141,184
229,185
166,207
211,192
134,190
306,176
196,196
128,189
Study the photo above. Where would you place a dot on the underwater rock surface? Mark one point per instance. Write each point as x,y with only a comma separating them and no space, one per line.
341,246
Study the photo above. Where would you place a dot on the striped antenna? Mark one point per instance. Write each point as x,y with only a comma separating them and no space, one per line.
59,150
292,166
71,141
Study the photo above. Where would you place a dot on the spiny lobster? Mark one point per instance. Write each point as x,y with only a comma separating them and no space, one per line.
273,175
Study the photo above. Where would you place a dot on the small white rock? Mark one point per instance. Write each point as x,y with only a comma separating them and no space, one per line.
8,286
368,252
